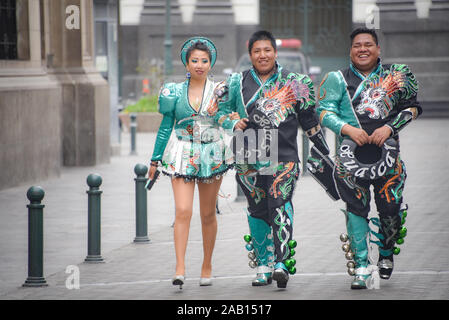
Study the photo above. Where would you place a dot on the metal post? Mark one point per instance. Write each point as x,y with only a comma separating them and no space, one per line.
94,219
35,239
305,153
306,27
240,194
141,204
133,126
168,40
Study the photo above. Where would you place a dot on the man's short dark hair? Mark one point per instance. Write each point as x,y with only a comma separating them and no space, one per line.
357,31
261,35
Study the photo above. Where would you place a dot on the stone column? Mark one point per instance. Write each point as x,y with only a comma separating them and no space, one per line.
215,19
85,94
151,41
30,121
153,12
213,12
422,44
397,9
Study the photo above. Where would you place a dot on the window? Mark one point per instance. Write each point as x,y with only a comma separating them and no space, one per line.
8,30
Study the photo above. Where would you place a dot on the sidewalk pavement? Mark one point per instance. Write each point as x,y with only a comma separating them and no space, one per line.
144,271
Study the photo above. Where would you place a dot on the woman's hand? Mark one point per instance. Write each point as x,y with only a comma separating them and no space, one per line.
152,170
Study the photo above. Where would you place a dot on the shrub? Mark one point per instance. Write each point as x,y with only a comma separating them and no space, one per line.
145,104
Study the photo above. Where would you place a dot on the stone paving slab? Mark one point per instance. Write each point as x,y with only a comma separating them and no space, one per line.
143,271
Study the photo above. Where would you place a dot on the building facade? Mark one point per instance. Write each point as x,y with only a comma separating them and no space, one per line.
54,104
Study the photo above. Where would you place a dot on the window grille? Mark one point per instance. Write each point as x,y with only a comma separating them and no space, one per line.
8,30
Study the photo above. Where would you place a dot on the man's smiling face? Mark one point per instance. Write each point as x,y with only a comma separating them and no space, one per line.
364,52
263,56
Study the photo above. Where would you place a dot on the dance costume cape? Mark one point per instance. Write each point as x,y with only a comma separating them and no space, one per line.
195,148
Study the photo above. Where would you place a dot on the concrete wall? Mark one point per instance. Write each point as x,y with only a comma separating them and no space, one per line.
30,133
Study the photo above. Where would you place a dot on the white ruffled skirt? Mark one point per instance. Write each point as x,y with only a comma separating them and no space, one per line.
195,160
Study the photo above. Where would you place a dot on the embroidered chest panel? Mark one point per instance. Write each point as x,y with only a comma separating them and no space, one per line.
278,99
381,92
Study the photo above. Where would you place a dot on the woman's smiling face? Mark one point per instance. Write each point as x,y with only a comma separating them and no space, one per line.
198,64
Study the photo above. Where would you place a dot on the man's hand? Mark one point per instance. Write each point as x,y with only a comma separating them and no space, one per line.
242,124
379,135
234,116
358,135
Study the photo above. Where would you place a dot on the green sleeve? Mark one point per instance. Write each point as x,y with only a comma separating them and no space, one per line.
228,104
331,91
166,105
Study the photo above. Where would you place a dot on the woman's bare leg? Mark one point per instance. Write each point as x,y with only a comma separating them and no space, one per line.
208,199
183,193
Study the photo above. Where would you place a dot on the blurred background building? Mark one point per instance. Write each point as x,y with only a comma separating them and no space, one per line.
67,66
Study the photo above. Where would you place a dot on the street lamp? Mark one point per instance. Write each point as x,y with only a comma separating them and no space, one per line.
168,40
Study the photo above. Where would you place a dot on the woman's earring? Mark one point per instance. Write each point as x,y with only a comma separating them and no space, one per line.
188,75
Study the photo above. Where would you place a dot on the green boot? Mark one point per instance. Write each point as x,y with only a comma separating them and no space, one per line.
358,230
262,243
390,229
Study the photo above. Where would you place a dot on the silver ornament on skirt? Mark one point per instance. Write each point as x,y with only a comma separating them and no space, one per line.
349,255
344,237
252,264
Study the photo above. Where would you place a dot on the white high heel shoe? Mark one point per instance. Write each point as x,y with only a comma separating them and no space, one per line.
205,282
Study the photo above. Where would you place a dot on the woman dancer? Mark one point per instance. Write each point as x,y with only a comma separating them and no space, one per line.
195,152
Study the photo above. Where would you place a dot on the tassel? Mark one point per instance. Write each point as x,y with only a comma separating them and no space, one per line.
373,282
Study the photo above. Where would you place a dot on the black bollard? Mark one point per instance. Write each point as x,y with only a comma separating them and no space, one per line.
133,126
35,239
94,220
141,204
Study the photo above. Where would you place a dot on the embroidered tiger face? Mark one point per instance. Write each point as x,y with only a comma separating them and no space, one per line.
382,93
373,102
277,103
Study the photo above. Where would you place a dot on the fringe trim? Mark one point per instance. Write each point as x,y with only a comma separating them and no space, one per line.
189,178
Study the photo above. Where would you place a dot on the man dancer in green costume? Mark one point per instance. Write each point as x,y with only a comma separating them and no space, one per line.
370,102
269,98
